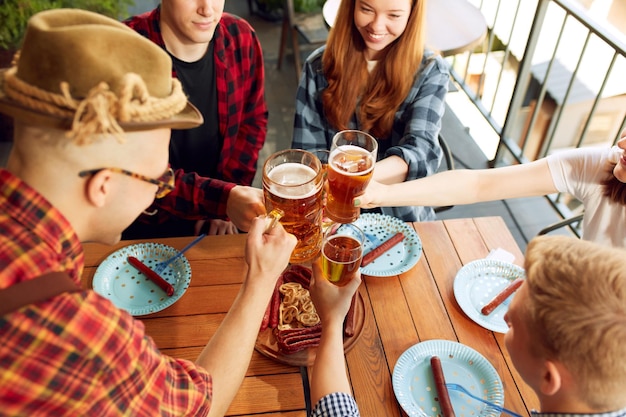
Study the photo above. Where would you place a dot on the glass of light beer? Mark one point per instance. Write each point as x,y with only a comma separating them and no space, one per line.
350,168
342,252
292,183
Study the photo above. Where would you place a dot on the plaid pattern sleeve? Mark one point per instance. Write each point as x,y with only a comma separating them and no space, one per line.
77,354
242,109
194,197
337,404
414,136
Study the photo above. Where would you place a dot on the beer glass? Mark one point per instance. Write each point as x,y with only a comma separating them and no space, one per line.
292,183
322,155
342,252
350,168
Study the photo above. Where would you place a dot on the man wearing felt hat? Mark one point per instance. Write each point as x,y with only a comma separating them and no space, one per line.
93,104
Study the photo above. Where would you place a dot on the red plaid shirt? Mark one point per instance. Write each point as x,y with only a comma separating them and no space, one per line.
242,114
77,354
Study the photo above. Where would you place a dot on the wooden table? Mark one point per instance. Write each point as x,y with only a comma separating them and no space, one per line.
401,311
452,26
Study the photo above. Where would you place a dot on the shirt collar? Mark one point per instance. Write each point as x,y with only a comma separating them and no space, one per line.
36,214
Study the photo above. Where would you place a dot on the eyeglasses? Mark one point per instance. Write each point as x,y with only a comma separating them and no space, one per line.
165,181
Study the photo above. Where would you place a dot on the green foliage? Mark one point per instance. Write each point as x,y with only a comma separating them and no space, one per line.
14,14
298,5
307,5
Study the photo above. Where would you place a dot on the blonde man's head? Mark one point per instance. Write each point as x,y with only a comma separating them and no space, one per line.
576,314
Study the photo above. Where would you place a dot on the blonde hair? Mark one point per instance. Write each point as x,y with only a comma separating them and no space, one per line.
577,313
381,92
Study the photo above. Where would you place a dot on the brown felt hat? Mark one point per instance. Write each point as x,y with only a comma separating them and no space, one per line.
81,71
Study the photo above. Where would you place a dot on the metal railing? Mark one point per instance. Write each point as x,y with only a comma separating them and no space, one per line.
547,77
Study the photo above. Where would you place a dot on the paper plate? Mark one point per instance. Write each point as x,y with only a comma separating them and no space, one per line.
414,386
130,290
478,282
397,260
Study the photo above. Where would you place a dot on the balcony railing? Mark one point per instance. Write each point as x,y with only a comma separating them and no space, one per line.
547,77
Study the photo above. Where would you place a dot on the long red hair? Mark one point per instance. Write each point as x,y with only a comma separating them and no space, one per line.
379,93
614,189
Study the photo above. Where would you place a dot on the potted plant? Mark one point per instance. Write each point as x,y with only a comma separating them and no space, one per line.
14,15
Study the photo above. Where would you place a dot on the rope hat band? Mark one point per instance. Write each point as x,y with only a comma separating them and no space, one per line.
87,73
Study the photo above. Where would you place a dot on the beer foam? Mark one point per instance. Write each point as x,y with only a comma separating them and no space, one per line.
353,151
292,180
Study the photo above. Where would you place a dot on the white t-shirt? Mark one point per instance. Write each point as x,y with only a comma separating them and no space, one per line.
579,172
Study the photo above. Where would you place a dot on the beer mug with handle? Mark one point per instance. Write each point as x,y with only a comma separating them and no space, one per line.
292,183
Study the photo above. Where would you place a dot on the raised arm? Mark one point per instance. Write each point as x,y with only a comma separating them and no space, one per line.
227,355
463,187
329,377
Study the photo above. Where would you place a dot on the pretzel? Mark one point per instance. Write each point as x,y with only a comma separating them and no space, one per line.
288,314
309,319
296,309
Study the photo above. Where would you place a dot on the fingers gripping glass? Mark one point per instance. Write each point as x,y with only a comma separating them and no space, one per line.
165,182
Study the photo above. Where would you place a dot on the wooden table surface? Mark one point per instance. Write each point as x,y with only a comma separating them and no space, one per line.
452,26
401,311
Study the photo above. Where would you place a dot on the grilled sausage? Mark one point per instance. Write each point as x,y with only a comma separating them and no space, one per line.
501,296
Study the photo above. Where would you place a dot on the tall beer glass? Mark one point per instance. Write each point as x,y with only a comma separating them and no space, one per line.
350,169
292,183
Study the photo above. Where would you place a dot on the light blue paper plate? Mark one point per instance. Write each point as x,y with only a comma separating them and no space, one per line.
478,282
414,386
397,260
130,290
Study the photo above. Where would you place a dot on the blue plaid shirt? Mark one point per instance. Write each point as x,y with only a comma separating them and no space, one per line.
414,136
337,404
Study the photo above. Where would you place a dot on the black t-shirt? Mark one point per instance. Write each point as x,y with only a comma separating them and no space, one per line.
198,149
194,150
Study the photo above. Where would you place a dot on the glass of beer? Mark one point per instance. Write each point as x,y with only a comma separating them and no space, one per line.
350,168
342,252
292,183
322,155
